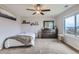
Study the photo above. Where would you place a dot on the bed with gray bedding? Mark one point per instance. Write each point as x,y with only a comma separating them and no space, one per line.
19,40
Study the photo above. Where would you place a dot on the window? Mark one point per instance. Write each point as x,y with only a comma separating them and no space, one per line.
71,25
77,24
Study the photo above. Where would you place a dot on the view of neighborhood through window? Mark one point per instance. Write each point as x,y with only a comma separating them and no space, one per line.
72,25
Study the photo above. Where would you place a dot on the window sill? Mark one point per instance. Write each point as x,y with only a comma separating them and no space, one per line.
73,36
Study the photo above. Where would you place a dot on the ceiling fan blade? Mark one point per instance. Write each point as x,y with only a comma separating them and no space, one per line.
42,13
30,9
34,13
45,10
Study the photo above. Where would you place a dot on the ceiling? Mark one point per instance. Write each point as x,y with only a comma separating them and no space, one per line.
20,9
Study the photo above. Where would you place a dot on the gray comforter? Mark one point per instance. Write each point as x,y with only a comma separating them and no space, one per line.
21,38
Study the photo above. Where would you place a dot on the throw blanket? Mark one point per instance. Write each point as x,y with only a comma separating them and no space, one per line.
21,38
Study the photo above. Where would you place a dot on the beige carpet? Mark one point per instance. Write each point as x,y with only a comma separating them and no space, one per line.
42,46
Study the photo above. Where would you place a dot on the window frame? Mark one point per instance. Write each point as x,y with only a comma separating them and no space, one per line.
75,23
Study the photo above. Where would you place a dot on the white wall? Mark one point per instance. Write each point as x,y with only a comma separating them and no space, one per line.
8,28
35,28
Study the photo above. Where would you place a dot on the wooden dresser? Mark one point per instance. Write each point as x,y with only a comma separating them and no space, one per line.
48,33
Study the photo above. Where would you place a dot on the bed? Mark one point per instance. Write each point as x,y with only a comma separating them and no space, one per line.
23,39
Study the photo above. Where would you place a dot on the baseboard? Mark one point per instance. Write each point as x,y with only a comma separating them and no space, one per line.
73,48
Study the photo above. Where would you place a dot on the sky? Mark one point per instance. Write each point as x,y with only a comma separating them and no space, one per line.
70,22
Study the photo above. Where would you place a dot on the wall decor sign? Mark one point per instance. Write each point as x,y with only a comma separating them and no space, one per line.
34,23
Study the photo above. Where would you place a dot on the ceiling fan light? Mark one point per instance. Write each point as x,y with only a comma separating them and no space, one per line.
38,12
38,8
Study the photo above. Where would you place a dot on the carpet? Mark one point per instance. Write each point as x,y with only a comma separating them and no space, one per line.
42,46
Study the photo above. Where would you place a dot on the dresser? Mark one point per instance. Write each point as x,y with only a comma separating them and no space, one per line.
48,33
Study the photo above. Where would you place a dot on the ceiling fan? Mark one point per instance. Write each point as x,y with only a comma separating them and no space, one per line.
38,9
